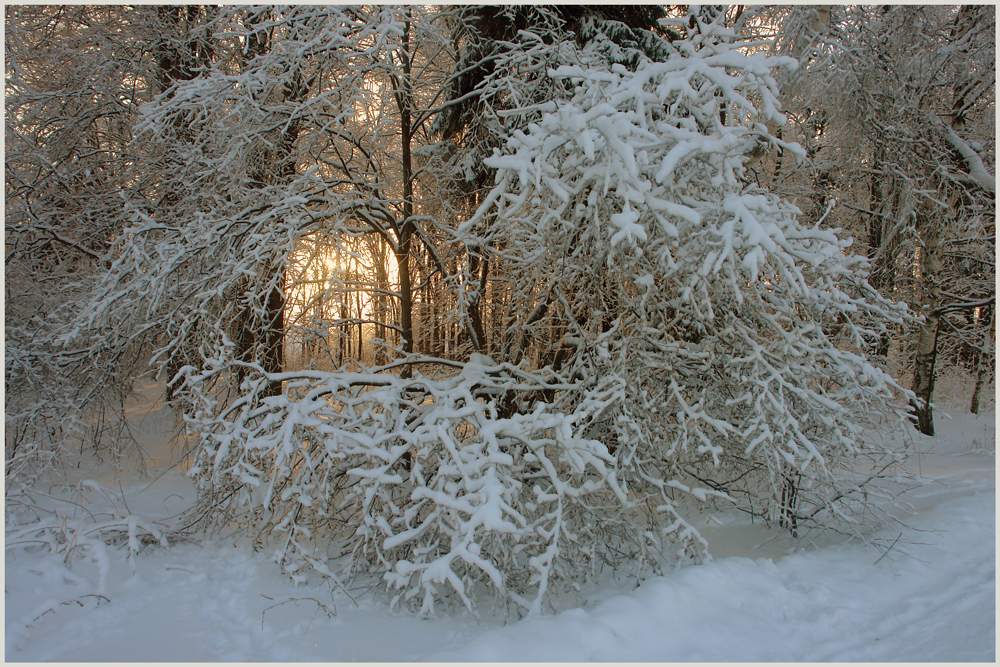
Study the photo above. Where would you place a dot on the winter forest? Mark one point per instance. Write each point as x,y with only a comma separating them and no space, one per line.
499,332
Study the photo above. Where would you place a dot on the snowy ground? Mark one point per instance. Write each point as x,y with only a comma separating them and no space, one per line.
931,597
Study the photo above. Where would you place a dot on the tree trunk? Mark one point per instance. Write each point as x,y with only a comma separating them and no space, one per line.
405,292
177,57
478,269
927,336
379,298
361,326
280,166
886,199
981,357
926,354
273,353
788,508
404,99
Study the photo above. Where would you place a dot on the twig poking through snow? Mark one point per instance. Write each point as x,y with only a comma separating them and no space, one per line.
886,552
330,613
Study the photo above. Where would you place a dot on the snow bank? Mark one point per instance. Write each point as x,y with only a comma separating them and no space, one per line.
931,597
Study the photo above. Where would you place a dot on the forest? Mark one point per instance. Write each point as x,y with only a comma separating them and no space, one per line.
476,304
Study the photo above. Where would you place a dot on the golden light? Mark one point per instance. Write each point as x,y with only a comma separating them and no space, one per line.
338,301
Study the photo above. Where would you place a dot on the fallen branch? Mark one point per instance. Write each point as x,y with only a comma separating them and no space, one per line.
330,613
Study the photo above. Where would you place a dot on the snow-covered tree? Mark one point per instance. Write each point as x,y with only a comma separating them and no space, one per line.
895,106
76,77
681,335
646,330
641,251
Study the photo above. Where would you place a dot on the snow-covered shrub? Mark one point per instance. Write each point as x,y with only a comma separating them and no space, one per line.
431,483
670,334
62,525
736,327
680,336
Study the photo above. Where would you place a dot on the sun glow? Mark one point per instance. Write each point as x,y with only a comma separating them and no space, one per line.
339,305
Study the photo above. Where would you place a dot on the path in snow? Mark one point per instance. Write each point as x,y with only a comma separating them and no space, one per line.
932,597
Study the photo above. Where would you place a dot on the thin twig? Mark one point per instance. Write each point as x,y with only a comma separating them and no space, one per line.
330,613
889,549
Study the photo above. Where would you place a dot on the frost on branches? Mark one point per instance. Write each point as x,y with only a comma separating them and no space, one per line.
735,327
675,336
685,338
424,479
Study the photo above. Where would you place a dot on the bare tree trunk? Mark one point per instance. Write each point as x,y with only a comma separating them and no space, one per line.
405,293
927,336
788,508
273,353
886,197
426,317
404,99
981,357
379,298
479,273
361,326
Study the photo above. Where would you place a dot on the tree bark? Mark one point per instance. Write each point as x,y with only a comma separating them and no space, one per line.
477,333
883,203
927,336
981,356
273,359
173,64
404,99
281,167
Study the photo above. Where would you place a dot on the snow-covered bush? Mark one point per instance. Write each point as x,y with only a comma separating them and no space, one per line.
666,335
62,525
683,336
430,482
736,327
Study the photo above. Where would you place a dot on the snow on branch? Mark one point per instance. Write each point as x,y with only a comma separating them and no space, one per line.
427,480
978,172
737,326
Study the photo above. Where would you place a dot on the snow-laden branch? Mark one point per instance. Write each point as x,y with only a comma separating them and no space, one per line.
430,481
978,172
736,325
